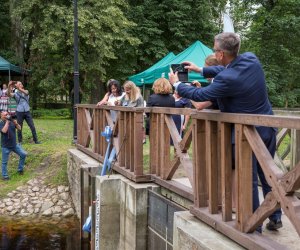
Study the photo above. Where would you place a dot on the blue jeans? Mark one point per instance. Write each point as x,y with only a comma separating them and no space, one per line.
5,155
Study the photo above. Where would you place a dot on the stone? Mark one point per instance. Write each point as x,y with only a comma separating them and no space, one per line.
43,195
10,195
36,210
2,205
68,213
10,208
64,196
67,189
30,210
32,194
14,212
60,203
36,189
9,203
57,209
60,189
47,205
47,212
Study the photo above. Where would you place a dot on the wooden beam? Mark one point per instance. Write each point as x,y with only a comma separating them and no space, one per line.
291,180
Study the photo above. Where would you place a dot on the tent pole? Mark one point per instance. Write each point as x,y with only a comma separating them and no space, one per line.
9,75
144,91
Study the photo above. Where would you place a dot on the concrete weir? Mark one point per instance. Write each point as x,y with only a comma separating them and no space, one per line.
128,216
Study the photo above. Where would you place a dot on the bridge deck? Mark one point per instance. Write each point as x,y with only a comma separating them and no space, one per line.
286,235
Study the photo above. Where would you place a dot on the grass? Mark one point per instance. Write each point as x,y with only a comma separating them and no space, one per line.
48,158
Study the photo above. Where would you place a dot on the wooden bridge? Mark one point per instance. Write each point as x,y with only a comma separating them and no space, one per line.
205,153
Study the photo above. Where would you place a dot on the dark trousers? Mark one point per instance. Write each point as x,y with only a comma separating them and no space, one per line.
268,135
21,116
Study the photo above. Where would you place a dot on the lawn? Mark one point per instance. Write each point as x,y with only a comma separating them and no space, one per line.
48,158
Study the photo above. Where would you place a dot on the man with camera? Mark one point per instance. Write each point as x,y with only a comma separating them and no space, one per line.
8,128
21,95
239,86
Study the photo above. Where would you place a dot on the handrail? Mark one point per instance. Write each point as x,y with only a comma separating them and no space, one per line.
204,153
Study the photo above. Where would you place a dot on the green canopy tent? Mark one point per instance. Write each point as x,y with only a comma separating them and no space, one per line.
145,77
196,53
6,68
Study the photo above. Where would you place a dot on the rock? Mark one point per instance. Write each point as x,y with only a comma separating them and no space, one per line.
67,189
61,189
2,205
32,194
9,203
36,210
57,210
60,203
10,208
14,212
68,213
64,196
47,212
47,205
10,195
30,210
43,195
36,189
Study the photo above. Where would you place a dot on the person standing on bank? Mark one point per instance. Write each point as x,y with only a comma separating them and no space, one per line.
239,87
8,128
21,96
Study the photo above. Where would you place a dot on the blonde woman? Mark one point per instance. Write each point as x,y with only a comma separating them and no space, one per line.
133,97
162,96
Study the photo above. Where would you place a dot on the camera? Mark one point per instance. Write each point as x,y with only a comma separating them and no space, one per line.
11,117
182,72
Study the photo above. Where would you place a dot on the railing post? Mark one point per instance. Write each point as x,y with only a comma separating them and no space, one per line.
243,166
138,143
295,146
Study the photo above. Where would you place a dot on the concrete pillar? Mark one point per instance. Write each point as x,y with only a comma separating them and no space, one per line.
120,213
191,233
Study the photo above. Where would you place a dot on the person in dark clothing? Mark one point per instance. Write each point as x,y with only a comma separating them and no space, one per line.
239,87
8,128
21,96
162,97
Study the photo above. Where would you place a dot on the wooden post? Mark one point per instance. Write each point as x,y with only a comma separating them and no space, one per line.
295,146
212,165
199,163
243,168
138,143
226,171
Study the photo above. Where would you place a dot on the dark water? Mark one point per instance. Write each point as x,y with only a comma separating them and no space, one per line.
39,234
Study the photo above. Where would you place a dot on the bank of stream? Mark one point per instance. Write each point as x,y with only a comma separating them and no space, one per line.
39,233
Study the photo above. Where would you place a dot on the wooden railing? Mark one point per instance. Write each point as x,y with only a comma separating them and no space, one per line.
205,153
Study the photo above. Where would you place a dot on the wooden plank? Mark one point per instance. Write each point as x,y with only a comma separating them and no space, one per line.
90,152
295,146
122,138
199,163
127,142
165,148
291,180
153,138
187,139
268,206
249,241
244,178
212,165
131,138
131,176
281,135
226,171
97,131
175,163
138,143
175,187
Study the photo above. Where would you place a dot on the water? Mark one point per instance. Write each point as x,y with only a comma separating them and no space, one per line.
39,234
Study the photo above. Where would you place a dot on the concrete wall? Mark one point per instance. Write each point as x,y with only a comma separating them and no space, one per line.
122,213
76,160
191,233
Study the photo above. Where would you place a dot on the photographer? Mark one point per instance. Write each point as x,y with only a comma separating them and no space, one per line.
21,96
8,128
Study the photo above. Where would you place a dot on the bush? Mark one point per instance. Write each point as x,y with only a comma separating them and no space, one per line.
52,113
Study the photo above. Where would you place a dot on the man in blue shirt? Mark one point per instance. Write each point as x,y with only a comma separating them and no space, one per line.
8,143
21,96
239,87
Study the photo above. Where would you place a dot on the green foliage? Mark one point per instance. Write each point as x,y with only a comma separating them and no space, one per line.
273,33
52,113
